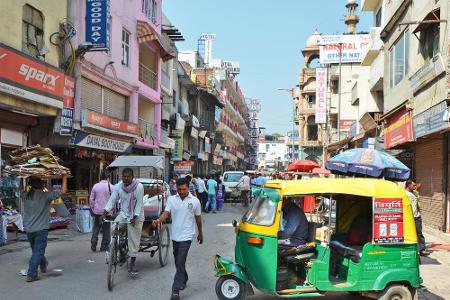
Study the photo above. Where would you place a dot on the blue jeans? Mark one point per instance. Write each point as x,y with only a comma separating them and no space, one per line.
211,202
38,242
180,252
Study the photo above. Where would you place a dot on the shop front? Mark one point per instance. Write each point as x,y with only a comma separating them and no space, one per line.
431,164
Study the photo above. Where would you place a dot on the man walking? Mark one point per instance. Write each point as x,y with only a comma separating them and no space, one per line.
99,197
36,209
130,194
211,185
244,184
185,211
201,191
414,199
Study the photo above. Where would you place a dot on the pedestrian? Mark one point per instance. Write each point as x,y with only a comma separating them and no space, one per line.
99,197
173,185
36,209
202,194
192,186
220,195
411,190
211,186
244,185
185,212
130,194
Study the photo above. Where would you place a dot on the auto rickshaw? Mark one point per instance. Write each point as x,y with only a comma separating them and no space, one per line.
367,243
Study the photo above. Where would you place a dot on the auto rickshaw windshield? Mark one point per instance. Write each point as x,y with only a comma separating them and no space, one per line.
263,210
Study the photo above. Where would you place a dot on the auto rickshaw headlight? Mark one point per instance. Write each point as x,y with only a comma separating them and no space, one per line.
255,240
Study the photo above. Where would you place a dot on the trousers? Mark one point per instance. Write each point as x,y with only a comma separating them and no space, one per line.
134,235
420,237
180,252
106,232
38,243
211,204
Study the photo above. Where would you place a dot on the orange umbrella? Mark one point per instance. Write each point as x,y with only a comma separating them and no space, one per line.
303,166
321,171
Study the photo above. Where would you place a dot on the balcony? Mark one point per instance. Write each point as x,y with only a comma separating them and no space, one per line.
148,77
310,143
147,130
307,73
370,5
374,48
150,9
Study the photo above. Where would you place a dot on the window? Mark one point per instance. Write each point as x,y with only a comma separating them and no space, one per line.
312,129
125,47
398,59
378,18
429,39
33,32
150,9
262,212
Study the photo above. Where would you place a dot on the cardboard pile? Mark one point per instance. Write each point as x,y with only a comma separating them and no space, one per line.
35,161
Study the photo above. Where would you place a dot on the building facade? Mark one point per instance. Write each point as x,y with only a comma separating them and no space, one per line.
273,153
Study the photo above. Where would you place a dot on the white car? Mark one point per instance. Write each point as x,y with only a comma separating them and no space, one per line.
155,190
231,179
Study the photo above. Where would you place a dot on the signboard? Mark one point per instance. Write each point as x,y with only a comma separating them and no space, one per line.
177,153
195,121
427,73
232,67
432,120
29,78
321,95
388,221
217,160
99,121
207,145
194,132
217,112
97,24
182,167
345,125
398,129
66,123
83,139
351,47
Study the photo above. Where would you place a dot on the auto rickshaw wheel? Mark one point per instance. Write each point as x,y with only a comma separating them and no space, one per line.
164,244
230,287
395,292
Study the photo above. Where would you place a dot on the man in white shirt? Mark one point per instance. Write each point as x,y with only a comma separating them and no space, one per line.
185,211
202,193
244,185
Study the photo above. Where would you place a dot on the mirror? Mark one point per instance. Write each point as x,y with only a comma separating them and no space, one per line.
234,223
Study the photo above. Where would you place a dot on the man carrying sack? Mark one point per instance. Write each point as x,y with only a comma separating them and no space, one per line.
130,194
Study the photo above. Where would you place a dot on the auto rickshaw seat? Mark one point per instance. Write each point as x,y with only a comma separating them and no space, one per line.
299,258
352,253
302,249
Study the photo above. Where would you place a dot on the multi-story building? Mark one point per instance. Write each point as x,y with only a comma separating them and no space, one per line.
273,153
415,88
34,89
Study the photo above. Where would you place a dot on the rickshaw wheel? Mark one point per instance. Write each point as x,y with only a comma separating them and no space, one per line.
164,243
230,287
395,292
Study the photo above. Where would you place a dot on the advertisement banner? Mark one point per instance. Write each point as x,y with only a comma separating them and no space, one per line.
28,78
177,153
388,221
353,47
398,129
432,120
182,167
83,139
99,121
97,24
345,125
66,126
321,95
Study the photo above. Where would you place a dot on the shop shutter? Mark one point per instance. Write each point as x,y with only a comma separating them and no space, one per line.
114,104
430,172
91,95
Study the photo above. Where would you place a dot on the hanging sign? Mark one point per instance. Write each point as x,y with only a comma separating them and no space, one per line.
177,153
97,24
350,47
398,129
66,123
388,221
182,167
321,95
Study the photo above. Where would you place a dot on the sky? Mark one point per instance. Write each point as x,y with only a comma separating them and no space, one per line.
266,37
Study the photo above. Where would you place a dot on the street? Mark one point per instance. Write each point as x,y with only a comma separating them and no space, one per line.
77,273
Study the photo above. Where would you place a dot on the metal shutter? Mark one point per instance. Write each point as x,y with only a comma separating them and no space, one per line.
114,104
91,95
430,172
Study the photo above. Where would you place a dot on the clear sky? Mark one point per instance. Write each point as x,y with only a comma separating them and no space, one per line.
266,36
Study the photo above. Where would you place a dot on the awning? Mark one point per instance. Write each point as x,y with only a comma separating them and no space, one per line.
138,161
145,33
431,18
339,144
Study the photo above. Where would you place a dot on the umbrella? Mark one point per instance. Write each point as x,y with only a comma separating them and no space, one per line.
321,171
370,162
303,166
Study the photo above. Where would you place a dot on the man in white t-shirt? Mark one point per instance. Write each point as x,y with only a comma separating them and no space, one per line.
185,211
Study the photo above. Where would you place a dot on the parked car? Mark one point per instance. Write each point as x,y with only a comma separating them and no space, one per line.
231,179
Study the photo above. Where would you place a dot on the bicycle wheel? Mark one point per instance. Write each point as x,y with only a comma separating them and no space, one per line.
164,243
112,263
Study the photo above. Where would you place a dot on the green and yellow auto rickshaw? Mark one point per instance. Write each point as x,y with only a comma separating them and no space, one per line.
364,243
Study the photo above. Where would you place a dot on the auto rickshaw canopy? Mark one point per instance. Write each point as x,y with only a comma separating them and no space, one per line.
363,187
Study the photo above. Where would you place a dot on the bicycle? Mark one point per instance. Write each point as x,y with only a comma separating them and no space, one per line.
118,250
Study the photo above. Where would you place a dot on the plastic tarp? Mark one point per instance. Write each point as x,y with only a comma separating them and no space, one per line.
156,162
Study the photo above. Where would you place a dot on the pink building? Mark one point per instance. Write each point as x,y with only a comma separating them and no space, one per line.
117,98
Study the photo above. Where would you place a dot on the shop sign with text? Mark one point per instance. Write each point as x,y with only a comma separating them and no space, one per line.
97,24
398,129
101,122
182,167
83,139
432,120
349,47
345,125
66,126
177,153
321,95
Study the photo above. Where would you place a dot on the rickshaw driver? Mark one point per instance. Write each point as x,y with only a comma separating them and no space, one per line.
130,194
294,226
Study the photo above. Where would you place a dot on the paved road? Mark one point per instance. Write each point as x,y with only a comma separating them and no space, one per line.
83,273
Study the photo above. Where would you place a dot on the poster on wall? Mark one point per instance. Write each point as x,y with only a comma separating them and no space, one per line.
388,221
